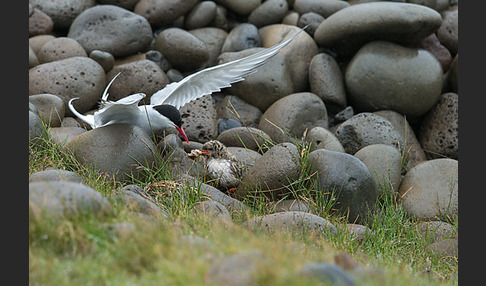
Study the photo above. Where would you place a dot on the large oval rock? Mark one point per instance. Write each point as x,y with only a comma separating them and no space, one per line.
55,175
182,49
385,165
62,12
111,29
292,221
430,190
384,75
269,12
60,199
348,179
298,53
214,39
242,37
272,173
439,132
327,81
268,84
321,138
116,150
143,76
50,108
365,129
79,77
291,116
401,23
59,49
246,137
39,22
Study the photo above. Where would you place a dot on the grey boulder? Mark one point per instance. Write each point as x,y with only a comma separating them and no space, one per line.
245,137
347,179
49,107
117,151
111,29
199,119
289,117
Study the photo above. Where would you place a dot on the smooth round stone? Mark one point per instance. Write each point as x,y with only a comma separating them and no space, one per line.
115,150
269,12
59,49
39,22
55,175
79,77
401,23
214,39
50,108
200,15
326,273
439,132
182,49
36,129
311,21
448,33
242,37
33,60
127,4
324,8
430,190
240,7
272,173
163,12
322,138
246,137
289,117
233,107
327,81
62,12
111,29
60,199
105,59
36,42
385,165
384,75
298,53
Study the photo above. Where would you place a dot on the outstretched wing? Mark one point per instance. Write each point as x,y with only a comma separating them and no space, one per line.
215,78
124,110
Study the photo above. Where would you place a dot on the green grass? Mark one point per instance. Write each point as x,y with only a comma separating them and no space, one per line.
87,251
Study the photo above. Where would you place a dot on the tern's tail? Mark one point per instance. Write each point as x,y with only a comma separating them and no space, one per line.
86,118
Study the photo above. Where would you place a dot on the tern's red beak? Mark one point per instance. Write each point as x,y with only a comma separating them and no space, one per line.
181,131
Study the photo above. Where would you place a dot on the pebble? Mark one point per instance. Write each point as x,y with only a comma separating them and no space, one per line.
401,23
384,75
62,12
349,181
138,76
241,7
33,60
298,53
358,231
241,37
311,21
326,81
163,12
214,210
448,248
72,77
60,48
105,59
439,131
130,196
246,137
39,22
434,231
50,108
272,173
269,12
324,8
432,44
232,106
365,129
429,191
199,119
226,124
116,151
300,222
268,84
290,205
200,15
111,29
65,199
385,165
36,42
55,175
184,51
63,135
36,130
321,138
288,118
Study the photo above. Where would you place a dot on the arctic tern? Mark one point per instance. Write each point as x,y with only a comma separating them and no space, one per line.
163,110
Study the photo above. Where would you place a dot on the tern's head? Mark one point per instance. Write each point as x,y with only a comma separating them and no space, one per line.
174,117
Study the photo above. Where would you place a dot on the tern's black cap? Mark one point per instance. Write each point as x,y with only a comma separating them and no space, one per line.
170,112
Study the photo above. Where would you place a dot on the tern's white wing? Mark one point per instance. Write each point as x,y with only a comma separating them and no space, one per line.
215,78
124,110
